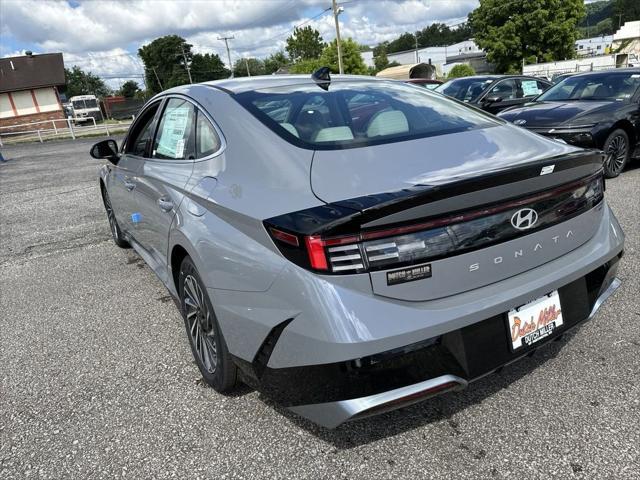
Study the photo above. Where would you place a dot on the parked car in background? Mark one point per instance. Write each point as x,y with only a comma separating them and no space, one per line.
561,76
592,110
494,93
349,246
427,83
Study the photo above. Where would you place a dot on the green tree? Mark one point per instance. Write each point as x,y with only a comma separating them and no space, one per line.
163,60
304,44
536,30
207,67
80,82
436,34
273,62
306,66
352,61
629,9
461,70
380,59
129,89
406,41
256,67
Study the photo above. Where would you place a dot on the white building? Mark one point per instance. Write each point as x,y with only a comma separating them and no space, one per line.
437,55
368,58
594,46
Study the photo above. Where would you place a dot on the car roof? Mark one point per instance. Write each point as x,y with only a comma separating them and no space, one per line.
246,84
608,70
495,77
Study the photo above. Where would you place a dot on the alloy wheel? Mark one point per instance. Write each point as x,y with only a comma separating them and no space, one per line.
616,153
200,324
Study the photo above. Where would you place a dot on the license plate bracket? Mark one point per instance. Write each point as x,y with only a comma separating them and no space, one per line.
534,321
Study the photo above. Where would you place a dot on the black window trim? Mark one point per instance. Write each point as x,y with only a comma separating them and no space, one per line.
154,125
223,144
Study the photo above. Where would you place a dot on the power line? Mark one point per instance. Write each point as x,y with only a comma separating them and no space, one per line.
226,42
286,32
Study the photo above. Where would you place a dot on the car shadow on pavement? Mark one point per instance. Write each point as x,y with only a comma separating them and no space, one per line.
435,410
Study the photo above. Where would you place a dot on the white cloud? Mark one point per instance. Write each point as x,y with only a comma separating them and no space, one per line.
103,35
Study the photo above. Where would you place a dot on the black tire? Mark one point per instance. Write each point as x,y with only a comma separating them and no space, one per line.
207,343
617,151
116,233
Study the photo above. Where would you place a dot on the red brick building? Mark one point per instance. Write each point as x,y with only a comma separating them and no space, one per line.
29,89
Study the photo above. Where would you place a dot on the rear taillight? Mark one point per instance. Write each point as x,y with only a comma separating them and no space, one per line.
432,239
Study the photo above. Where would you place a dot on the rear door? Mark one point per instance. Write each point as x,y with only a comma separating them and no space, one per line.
164,175
124,179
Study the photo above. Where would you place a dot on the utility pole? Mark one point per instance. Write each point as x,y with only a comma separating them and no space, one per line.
246,64
228,53
336,12
157,77
186,64
619,21
417,57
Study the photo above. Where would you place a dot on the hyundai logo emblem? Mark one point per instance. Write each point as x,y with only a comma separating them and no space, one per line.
520,121
524,218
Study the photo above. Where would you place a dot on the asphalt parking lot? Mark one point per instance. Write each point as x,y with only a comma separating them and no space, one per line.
97,379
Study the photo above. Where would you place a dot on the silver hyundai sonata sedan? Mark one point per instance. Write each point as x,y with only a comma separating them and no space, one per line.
350,245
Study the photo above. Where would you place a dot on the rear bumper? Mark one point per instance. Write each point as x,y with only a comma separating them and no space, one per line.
332,394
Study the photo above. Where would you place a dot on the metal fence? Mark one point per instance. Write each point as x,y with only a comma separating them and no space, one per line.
48,129
554,72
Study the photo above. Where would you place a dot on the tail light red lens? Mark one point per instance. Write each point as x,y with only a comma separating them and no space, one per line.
435,238
315,249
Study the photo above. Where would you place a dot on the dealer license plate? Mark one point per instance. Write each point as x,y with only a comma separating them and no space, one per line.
535,321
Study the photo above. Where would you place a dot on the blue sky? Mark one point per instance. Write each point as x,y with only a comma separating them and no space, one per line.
103,35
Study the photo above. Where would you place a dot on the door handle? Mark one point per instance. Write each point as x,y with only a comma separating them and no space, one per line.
128,184
165,205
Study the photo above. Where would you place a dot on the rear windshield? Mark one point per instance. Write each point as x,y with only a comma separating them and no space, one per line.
597,86
465,89
356,114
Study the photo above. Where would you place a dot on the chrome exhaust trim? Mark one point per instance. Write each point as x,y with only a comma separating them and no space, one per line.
332,414
615,283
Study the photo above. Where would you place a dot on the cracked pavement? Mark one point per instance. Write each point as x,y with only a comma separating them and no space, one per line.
97,380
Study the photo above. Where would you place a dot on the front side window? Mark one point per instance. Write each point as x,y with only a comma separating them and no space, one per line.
175,139
465,89
353,114
142,132
601,86
506,90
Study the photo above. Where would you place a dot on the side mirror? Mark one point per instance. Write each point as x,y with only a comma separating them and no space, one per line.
494,99
106,150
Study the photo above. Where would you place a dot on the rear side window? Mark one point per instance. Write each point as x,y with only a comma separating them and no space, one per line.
207,140
354,114
532,88
175,139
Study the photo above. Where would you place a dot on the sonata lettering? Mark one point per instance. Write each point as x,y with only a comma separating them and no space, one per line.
520,253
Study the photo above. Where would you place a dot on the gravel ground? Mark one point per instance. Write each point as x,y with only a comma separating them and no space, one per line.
97,379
